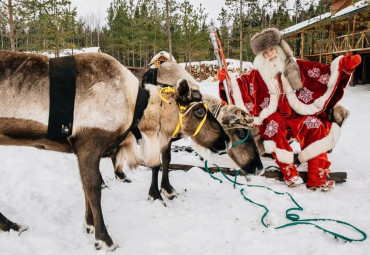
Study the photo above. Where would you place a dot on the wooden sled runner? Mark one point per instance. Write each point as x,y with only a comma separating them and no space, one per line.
338,177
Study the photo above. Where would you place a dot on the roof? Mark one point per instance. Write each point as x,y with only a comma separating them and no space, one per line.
305,23
359,6
162,53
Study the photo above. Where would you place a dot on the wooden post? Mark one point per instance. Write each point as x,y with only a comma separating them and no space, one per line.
351,83
313,43
298,43
302,44
349,22
353,32
364,73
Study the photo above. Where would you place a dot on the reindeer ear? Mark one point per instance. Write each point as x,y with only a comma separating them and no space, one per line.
230,119
183,93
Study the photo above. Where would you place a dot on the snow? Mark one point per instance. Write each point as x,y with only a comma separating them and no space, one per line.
69,52
305,23
42,189
162,53
352,8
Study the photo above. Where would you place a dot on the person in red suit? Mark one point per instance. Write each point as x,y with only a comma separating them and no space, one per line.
291,100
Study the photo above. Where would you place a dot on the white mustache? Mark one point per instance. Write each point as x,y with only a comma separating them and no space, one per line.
271,57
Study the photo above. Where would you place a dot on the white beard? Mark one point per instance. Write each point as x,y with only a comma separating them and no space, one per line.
270,68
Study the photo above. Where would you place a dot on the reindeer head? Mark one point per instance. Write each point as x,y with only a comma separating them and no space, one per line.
197,121
238,125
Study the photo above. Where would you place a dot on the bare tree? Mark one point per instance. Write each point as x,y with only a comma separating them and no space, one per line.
168,22
241,37
10,20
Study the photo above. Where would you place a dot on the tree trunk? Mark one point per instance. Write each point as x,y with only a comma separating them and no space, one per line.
57,47
168,22
241,37
11,25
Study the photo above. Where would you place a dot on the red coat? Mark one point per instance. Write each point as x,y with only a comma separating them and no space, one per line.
323,87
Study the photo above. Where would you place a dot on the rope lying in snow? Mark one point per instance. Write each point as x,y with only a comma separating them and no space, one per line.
288,213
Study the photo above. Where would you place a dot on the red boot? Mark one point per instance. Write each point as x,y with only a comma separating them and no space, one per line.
318,171
290,173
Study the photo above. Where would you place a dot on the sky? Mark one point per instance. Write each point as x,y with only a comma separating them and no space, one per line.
99,8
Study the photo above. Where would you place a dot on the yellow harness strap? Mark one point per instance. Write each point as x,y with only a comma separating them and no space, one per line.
202,122
181,114
166,90
183,111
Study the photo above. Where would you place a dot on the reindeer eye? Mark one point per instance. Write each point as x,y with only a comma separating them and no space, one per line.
241,133
200,112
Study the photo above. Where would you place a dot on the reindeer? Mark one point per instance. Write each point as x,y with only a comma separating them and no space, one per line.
238,122
104,104
238,125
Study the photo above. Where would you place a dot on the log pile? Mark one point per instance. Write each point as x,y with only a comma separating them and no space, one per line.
204,71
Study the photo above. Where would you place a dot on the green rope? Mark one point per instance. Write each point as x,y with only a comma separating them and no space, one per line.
241,141
290,216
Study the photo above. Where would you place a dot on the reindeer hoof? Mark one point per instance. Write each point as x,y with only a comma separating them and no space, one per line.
89,228
21,228
101,245
122,177
170,195
155,195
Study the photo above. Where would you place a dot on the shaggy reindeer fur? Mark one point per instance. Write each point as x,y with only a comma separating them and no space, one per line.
237,124
104,104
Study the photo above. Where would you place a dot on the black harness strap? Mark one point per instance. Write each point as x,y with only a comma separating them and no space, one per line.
141,103
62,73
150,77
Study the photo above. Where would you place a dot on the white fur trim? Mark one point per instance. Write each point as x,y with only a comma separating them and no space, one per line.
269,77
283,156
237,95
319,103
321,146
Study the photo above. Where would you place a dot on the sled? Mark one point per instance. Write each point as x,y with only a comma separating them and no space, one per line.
338,177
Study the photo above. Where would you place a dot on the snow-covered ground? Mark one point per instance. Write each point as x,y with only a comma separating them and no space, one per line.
69,52
42,189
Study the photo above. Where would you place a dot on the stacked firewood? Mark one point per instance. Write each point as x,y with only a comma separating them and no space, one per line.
204,71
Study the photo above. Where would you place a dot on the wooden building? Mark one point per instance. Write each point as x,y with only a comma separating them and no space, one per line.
161,57
342,30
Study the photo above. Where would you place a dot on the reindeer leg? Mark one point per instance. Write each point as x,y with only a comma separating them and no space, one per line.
6,225
166,188
153,190
89,219
118,171
88,161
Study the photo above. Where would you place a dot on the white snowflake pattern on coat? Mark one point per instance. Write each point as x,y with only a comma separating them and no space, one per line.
314,73
265,103
271,128
305,95
249,106
312,122
324,79
251,89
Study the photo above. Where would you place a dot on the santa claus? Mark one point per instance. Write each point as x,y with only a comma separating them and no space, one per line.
291,99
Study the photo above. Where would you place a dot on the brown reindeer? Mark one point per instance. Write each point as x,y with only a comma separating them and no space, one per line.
245,155
104,105
238,125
